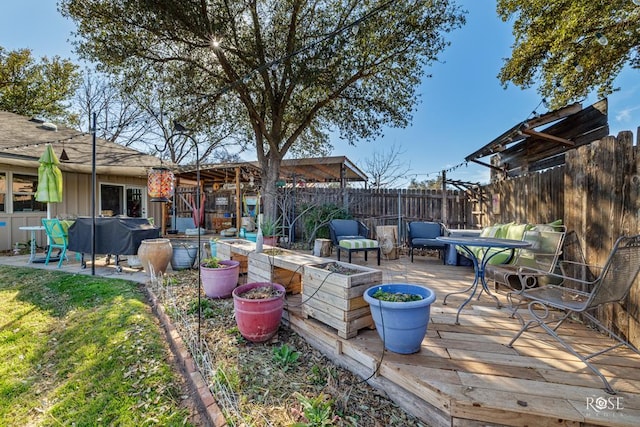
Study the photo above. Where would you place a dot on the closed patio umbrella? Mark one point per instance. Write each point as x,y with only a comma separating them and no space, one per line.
49,179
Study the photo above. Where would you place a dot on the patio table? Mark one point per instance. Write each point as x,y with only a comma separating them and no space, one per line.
32,249
466,243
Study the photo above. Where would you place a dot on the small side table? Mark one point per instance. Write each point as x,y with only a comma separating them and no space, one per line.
33,229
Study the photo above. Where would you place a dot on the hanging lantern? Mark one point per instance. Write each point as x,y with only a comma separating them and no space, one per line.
160,184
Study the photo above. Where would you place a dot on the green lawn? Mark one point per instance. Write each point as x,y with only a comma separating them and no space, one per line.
81,350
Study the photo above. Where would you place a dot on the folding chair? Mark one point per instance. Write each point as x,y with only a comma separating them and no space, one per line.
58,238
583,288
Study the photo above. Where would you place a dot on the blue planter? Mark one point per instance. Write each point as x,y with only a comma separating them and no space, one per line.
401,325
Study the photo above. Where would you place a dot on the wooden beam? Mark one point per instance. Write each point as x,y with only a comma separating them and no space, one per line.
487,165
548,137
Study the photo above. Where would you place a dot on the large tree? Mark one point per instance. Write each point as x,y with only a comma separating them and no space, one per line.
43,88
294,70
570,48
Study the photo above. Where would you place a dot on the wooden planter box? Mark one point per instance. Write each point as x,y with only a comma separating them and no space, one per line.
280,266
237,250
336,299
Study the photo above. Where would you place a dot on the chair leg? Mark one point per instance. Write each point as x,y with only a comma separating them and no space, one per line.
378,256
338,247
46,260
411,253
537,321
63,255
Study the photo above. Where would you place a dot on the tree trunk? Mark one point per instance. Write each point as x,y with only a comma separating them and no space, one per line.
269,175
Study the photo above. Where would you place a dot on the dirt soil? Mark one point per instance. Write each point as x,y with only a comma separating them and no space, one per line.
264,384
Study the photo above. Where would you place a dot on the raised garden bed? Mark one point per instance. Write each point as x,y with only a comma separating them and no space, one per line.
280,266
237,250
332,293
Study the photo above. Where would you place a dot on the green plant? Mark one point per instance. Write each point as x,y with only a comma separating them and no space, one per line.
207,308
317,218
395,296
317,410
285,356
319,376
268,226
211,262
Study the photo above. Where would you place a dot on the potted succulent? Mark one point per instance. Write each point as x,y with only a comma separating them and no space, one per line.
401,314
269,228
258,309
219,277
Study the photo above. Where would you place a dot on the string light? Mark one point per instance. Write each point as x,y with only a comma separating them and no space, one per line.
602,39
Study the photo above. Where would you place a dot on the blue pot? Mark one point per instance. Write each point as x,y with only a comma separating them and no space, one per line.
401,325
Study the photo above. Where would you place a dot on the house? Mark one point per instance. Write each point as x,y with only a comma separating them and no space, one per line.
120,186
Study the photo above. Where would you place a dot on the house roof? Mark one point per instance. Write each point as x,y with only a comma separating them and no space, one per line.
22,142
526,148
322,169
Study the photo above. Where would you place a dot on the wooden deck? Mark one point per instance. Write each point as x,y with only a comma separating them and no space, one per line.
465,375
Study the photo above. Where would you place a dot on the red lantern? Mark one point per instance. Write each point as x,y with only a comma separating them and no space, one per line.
160,184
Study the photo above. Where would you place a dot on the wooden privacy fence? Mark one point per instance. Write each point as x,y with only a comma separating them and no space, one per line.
597,194
390,207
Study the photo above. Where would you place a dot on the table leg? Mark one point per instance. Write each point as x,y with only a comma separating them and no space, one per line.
479,269
32,254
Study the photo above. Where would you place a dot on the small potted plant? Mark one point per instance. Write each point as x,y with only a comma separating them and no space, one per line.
401,314
269,228
219,277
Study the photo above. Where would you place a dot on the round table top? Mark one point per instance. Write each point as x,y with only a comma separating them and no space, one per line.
491,242
31,227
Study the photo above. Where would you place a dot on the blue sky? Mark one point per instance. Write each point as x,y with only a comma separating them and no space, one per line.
463,106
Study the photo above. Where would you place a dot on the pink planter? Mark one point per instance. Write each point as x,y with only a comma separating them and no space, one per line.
258,319
220,282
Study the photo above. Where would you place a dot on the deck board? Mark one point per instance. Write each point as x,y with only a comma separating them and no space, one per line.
465,375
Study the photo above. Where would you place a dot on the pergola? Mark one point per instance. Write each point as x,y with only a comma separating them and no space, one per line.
236,176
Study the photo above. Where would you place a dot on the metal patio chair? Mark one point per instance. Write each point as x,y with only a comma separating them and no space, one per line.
581,289
422,235
542,255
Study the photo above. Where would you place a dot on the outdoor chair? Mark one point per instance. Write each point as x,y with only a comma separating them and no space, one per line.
422,235
351,236
58,238
581,289
542,255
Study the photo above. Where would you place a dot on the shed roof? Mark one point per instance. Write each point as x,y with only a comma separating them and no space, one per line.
22,142
526,148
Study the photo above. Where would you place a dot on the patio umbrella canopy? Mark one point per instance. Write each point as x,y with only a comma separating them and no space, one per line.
49,178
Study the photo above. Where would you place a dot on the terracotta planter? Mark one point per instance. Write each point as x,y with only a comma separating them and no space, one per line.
154,255
270,240
220,282
258,319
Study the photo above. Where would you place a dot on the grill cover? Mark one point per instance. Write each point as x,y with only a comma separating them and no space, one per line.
114,235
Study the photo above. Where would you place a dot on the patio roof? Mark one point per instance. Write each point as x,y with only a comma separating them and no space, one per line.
525,148
317,170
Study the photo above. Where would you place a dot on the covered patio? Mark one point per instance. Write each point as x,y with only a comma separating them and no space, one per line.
465,374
